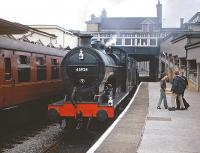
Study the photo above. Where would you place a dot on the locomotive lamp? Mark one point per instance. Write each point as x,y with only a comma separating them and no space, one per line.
110,101
81,55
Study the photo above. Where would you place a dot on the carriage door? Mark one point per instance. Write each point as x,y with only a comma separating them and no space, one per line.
8,81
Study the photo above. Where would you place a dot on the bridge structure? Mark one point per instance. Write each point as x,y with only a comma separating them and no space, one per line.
144,48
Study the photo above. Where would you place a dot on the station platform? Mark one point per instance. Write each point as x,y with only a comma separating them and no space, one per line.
142,128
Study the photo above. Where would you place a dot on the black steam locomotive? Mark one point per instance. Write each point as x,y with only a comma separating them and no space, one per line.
97,79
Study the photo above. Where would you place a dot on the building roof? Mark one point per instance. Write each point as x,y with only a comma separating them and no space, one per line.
7,27
39,26
194,45
125,22
194,16
188,34
174,34
173,29
17,45
95,20
42,32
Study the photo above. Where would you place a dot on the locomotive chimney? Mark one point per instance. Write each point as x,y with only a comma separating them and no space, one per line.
84,40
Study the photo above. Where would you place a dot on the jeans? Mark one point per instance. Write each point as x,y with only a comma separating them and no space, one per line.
162,97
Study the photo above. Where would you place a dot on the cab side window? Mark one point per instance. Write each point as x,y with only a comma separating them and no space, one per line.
7,64
41,68
54,69
23,68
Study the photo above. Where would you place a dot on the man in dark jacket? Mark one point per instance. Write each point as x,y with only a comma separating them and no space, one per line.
186,84
184,79
178,87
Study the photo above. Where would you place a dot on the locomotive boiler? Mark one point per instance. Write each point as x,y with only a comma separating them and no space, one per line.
98,79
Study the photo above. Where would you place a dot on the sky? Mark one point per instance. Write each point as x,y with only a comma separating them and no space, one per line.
72,14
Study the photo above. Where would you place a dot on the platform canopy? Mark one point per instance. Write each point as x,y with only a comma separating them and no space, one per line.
7,27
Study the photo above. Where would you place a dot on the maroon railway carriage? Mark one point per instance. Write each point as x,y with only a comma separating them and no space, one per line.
28,72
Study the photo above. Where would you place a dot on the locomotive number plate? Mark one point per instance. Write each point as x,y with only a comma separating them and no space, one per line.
81,69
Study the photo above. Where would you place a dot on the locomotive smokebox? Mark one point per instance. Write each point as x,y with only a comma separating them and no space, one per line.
85,40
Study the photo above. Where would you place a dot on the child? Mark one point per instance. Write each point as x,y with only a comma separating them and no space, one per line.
162,92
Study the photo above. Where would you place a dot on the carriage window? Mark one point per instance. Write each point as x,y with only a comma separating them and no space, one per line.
23,68
41,68
23,59
54,69
7,75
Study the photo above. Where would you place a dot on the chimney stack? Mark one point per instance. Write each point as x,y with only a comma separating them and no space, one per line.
181,22
159,13
85,40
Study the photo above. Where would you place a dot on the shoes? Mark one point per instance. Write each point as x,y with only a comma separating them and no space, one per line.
182,108
172,109
158,107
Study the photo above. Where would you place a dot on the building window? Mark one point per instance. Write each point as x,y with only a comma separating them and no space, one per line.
119,41
41,68
144,42
133,42
107,35
95,35
143,68
54,69
152,42
7,63
138,42
23,68
145,27
93,39
121,35
128,42
106,40
151,27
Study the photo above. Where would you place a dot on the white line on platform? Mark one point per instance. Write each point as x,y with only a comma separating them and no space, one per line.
102,138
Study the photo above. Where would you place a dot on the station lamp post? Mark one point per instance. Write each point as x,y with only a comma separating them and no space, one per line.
186,56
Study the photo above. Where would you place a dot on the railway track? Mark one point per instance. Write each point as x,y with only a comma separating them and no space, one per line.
45,138
53,147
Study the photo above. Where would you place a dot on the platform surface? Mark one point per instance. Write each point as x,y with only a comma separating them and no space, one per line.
125,136
145,129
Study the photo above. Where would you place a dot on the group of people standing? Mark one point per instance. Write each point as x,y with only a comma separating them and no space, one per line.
179,84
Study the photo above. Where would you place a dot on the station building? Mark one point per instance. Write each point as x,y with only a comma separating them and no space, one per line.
65,38
50,35
181,49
